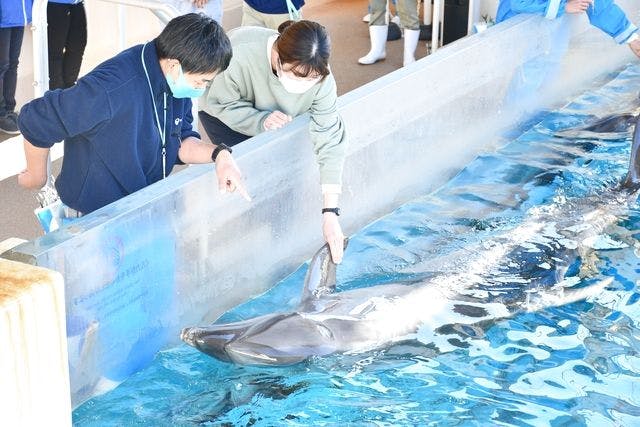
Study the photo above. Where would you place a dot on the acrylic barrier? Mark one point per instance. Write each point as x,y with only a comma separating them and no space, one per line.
178,253
34,385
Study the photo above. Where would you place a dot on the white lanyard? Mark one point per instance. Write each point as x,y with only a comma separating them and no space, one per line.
161,130
294,14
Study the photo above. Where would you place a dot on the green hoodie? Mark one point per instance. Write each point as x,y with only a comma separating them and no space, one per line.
248,91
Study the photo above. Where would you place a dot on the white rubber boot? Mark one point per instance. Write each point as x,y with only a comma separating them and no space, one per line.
410,44
378,35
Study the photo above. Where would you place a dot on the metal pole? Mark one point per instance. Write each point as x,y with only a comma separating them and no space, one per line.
442,23
474,15
435,28
122,28
40,56
40,48
427,12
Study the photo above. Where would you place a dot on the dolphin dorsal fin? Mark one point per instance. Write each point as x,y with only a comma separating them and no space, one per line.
321,275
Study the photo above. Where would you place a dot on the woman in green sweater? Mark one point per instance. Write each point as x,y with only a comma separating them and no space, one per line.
272,78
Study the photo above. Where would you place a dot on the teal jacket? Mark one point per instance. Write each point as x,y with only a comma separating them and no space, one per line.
15,13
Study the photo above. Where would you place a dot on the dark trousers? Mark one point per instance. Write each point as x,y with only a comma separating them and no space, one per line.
218,132
10,45
67,35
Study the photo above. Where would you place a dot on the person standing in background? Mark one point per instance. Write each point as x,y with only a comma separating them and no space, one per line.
14,16
379,28
270,13
67,33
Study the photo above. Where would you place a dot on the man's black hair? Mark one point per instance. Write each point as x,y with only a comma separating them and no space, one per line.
197,41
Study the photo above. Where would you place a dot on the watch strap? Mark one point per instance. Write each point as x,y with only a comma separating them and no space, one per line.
332,210
218,149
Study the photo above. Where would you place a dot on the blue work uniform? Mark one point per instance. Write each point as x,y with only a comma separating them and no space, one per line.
15,13
107,120
603,14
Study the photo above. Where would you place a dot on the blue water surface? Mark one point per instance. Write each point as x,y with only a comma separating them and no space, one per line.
568,365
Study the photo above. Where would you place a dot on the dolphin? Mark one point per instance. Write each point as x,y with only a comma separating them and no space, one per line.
615,126
327,322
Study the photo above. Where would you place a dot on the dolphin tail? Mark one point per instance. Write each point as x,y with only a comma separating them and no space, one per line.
321,275
632,181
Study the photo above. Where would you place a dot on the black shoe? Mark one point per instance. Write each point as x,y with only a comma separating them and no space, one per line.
9,124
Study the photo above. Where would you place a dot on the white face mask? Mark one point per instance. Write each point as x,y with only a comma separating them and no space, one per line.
293,85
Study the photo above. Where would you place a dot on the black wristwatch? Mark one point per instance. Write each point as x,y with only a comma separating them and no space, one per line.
217,151
333,210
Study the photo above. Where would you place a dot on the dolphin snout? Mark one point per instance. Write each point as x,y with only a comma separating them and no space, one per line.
208,341
187,335
190,336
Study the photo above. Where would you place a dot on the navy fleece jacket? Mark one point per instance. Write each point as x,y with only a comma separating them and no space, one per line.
273,7
112,141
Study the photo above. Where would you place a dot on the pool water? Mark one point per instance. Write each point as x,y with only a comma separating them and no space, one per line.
569,365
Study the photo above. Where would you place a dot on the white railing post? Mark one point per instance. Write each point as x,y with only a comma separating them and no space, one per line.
40,48
40,55
438,6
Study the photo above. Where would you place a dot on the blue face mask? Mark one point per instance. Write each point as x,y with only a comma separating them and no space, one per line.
181,88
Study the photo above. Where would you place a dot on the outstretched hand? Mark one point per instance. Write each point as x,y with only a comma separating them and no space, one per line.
333,236
229,175
577,6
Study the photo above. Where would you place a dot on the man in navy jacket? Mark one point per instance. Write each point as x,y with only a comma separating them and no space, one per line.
128,122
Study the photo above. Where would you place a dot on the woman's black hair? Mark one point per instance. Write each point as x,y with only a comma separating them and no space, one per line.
197,41
305,45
